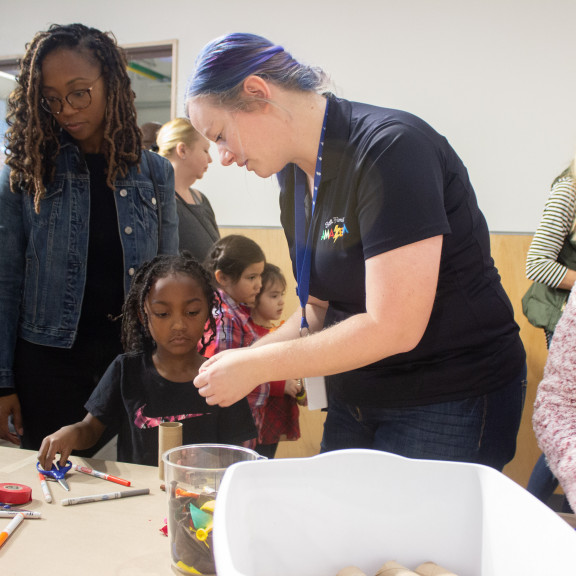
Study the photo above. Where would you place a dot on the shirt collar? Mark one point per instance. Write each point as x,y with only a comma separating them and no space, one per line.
338,127
233,305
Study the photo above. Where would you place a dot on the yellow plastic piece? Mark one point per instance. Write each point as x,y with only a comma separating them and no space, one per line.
208,506
202,533
187,568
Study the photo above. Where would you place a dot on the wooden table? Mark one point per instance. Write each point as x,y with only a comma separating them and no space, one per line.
118,537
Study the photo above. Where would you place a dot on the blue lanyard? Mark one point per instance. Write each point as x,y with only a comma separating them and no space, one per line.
304,242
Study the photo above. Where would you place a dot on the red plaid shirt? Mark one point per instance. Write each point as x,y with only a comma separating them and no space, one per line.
280,412
234,329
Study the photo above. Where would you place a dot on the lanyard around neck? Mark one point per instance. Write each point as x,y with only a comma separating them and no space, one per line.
304,241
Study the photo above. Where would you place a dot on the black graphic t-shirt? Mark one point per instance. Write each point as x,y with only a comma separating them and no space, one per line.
133,399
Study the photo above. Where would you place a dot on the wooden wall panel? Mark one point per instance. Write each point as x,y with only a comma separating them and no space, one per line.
509,252
273,242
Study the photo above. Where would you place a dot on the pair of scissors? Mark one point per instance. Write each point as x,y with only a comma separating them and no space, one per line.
57,472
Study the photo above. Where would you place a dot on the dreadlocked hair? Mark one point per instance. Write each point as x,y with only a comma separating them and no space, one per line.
136,335
33,136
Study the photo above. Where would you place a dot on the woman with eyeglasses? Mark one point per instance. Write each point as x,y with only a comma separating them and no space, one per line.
81,208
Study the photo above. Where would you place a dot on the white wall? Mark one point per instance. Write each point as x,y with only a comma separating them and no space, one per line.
496,77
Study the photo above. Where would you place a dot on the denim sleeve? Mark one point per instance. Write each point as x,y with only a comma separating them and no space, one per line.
12,266
169,240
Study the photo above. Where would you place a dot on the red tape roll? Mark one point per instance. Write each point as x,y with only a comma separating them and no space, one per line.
15,493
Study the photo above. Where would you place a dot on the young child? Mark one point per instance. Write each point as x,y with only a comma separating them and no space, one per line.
164,317
281,412
236,263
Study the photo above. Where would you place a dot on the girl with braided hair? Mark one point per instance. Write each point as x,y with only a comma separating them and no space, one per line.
169,304
81,208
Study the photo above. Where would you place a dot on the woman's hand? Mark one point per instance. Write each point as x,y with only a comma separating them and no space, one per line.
208,362
227,377
10,406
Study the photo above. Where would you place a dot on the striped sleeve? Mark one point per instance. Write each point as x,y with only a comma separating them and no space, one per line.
556,224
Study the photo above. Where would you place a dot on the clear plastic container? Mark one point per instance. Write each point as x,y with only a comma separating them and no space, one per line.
193,475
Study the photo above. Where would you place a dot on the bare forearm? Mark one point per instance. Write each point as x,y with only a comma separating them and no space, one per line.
290,330
337,349
398,307
287,331
86,435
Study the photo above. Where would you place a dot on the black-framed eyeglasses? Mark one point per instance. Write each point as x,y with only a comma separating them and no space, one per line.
78,99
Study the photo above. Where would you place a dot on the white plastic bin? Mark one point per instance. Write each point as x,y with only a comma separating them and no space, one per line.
314,516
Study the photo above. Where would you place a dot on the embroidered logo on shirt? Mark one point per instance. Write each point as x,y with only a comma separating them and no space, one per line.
334,228
143,422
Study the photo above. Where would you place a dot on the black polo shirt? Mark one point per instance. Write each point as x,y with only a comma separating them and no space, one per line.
388,180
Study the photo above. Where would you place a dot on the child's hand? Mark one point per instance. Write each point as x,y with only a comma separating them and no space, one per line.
62,442
79,436
292,388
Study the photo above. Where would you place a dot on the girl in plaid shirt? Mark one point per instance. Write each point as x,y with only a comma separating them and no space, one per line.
236,264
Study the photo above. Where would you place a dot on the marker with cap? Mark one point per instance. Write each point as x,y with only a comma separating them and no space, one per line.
101,497
45,487
14,513
11,527
102,475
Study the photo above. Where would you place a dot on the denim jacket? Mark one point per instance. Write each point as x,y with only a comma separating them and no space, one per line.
43,256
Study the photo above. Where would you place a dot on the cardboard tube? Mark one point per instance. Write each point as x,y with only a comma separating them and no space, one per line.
431,569
169,436
351,571
394,569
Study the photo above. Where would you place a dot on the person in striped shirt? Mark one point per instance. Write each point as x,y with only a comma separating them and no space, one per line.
547,264
556,229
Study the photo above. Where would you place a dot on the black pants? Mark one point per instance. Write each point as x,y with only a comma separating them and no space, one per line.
53,384
267,450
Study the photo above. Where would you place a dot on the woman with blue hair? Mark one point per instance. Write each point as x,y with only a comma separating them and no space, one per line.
402,306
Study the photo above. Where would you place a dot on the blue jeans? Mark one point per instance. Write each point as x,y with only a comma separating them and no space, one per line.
482,429
543,483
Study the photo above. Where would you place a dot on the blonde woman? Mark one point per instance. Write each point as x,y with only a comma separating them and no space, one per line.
189,154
